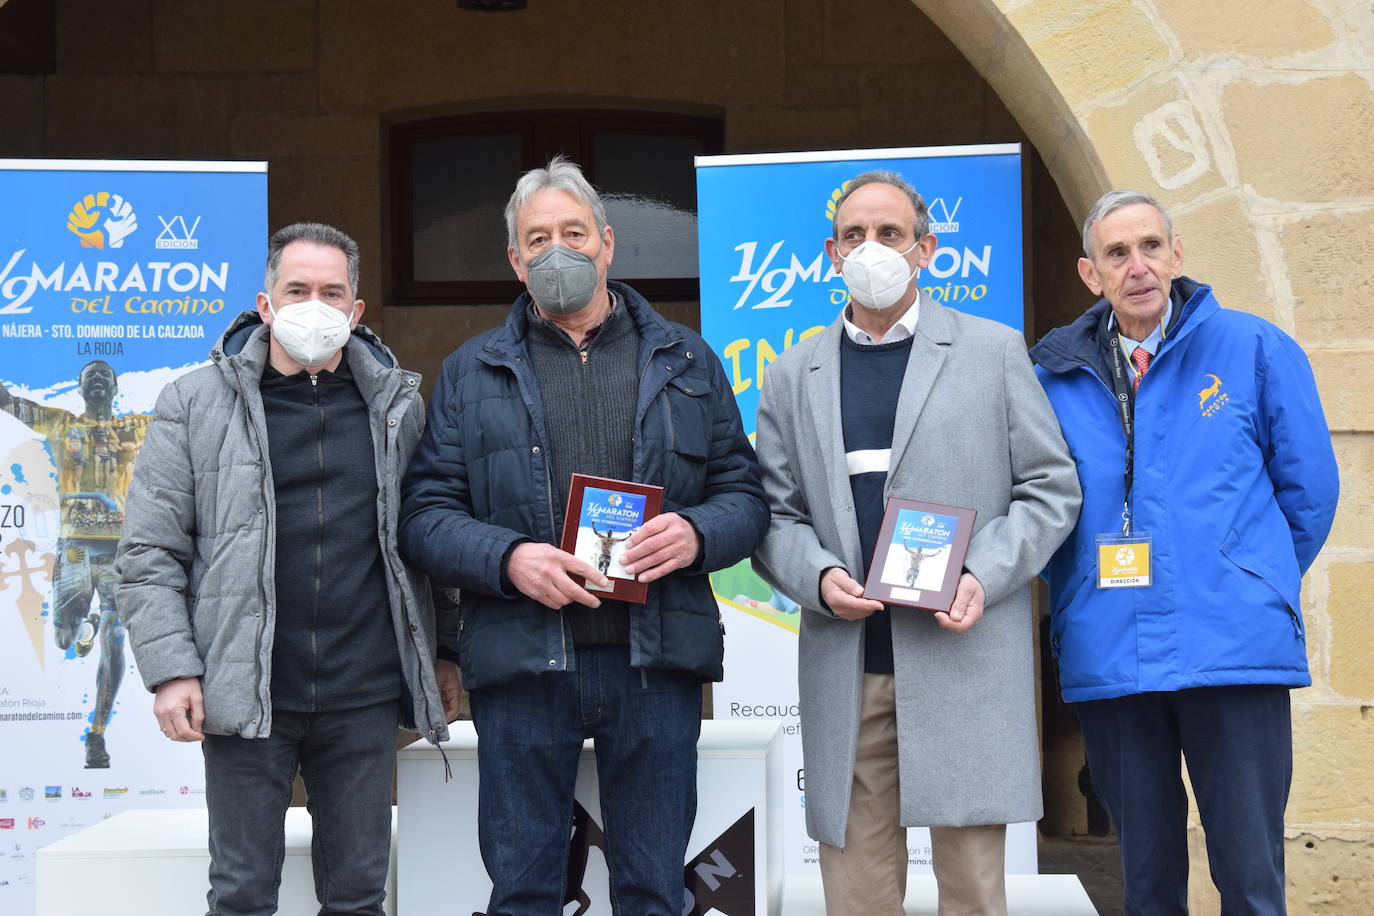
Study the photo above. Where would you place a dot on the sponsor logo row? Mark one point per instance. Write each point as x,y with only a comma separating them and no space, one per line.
56,793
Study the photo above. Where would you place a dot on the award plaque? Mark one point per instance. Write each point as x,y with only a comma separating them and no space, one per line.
601,515
920,554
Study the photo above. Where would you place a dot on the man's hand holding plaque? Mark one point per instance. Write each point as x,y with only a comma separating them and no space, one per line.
845,597
545,573
664,544
612,530
967,608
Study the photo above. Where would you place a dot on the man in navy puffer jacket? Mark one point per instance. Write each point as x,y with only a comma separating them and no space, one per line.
584,377
1209,486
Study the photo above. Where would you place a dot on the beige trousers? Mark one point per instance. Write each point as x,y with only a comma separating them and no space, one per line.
868,876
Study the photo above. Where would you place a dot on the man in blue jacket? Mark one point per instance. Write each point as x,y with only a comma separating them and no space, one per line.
584,377
1209,486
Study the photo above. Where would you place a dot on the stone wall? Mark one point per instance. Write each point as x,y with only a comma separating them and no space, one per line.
1253,123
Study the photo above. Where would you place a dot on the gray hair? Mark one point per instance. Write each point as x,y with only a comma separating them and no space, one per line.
1115,200
885,176
561,175
315,234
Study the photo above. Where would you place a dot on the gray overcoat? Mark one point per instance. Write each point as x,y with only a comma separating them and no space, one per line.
973,428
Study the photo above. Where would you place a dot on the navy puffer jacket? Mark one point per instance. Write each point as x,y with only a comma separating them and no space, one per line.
479,483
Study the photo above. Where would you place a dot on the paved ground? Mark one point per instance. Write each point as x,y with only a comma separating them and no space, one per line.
1094,860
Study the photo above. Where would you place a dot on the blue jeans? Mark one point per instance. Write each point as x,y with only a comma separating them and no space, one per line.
1238,743
347,760
645,723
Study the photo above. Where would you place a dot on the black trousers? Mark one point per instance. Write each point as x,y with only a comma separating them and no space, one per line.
1238,744
347,760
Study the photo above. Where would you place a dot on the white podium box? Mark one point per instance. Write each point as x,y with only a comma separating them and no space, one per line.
155,862
735,852
1027,895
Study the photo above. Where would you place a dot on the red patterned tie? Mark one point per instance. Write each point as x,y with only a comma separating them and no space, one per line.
1141,357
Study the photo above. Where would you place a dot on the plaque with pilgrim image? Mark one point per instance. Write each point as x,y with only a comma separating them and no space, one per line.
602,514
920,554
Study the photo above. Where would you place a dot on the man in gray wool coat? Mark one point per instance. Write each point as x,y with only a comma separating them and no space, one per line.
910,718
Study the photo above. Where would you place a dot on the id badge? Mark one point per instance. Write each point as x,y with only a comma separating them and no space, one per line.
1123,562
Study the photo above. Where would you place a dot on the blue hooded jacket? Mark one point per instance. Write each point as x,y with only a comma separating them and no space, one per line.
1235,482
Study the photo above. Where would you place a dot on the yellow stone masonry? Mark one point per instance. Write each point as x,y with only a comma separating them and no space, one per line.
1254,124
1352,662
1303,141
1354,527
1230,28
1154,140
1069,35
1334,273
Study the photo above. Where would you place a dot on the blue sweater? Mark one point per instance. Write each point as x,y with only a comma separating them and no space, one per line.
870,383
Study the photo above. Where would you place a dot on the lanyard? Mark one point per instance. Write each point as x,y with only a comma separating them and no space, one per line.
1125,404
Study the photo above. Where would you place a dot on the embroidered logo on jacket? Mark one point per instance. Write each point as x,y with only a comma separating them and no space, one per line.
1211,398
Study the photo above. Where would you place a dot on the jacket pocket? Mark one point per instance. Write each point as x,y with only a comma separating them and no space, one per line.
1234,550
688,418
1059,618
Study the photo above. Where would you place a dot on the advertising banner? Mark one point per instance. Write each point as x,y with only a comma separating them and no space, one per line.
115,278
766,284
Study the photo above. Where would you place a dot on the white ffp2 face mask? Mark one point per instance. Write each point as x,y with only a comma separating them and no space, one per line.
877,276
310,332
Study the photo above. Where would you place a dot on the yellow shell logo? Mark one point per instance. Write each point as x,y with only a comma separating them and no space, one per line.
835,196
102,220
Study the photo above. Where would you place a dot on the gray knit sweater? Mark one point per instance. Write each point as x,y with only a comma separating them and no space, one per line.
589,403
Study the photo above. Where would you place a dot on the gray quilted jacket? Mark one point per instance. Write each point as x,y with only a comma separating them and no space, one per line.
196,562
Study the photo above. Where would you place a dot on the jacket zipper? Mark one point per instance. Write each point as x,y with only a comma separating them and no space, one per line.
402,583
319,543
672,440
562,621
265,457
548,495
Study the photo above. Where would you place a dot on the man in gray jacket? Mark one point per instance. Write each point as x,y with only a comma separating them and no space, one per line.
266,602
910,718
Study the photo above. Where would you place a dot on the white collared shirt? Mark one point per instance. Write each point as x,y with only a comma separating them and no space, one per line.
904,328
1150,344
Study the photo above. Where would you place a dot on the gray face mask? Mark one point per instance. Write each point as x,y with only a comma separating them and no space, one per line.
562,281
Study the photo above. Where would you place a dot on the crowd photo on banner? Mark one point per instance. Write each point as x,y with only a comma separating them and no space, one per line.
240,551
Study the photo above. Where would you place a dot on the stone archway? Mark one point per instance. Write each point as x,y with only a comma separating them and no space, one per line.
1253,125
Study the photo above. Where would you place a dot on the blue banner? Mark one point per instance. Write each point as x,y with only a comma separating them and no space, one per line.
115,278
766,282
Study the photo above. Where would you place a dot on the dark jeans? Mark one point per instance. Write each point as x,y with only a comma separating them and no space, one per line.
347,760
645,723
1238,743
